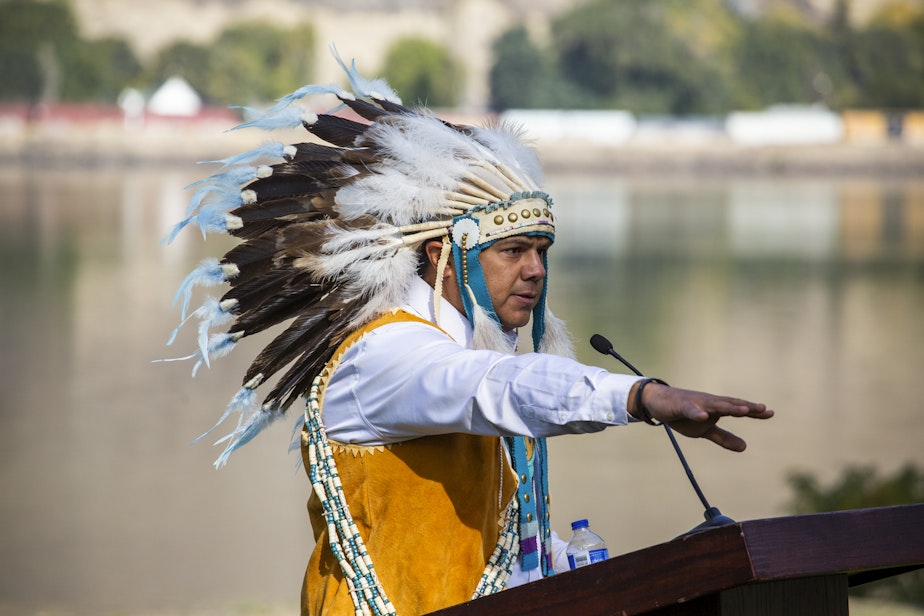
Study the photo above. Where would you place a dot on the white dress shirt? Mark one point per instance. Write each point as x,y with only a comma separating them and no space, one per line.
405,380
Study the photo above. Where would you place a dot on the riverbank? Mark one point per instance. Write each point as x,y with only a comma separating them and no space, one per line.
726,159
181,143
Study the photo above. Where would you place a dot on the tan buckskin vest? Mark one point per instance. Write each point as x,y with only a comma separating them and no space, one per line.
429,511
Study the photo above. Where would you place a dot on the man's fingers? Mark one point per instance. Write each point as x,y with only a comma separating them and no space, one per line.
725,439
694,414
739,408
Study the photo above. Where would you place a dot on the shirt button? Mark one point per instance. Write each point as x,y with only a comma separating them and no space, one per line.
610,416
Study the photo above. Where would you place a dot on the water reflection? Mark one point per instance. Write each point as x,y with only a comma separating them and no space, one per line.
807,294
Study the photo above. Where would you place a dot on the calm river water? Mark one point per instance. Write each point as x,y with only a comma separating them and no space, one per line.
807,294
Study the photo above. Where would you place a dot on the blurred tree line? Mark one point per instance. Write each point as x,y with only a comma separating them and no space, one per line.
44,57
859,487
690,57
677,57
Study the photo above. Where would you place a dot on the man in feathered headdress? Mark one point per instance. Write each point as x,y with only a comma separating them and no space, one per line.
404,254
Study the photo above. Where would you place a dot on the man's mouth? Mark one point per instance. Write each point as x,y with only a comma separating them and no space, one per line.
527,297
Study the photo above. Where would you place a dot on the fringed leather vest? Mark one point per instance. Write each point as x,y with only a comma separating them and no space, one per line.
429,510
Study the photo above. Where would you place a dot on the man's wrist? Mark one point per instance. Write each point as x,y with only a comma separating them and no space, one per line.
636,407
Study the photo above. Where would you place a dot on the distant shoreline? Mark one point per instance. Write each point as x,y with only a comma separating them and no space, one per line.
887,160
111,145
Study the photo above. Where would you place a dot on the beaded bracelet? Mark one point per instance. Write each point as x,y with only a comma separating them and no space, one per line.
640,407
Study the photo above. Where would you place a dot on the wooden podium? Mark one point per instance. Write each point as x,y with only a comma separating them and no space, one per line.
793,566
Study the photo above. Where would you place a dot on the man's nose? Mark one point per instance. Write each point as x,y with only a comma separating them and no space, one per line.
534,268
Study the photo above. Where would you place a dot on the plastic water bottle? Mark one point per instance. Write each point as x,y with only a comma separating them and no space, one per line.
586,546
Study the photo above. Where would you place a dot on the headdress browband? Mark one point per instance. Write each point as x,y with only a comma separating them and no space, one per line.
521,213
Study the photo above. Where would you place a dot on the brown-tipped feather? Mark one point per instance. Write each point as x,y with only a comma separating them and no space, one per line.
254,291
365,109
286,304
276,208
287,345
252,269
316,151
318,351
311,336
393,107
262,217
266,263
336,130
310,237
318,169
252,258
258,228
282,186
251,252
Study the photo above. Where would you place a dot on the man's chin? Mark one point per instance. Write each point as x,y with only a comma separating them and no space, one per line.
509,325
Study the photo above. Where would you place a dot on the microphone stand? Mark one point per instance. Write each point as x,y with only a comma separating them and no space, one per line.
712,514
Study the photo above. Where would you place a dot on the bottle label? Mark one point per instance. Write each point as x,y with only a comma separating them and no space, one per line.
585,557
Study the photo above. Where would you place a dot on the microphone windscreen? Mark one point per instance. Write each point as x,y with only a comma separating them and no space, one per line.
601,344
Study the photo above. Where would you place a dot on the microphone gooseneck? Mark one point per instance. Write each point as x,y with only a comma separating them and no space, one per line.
713,516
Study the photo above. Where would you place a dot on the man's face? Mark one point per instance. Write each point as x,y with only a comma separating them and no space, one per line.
514,274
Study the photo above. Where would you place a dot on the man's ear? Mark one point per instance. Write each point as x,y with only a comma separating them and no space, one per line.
432,250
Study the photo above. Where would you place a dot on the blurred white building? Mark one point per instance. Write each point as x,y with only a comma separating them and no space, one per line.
600,127
175,97
785,125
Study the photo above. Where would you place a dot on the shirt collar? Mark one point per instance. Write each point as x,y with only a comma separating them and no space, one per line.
453,322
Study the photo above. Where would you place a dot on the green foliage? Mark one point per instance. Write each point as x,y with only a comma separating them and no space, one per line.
22,75
97,70
31,34
422,72
776,62
182,59
258,62
686,57
679,57
27,24
644,56
246,64
524,76
858,488
886,57
45,58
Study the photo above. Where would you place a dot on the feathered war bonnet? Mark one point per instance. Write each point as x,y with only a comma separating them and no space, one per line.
331,236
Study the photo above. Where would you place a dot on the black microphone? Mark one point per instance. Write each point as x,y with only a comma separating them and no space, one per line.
713,516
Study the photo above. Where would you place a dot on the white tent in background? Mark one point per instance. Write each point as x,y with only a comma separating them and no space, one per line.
175,97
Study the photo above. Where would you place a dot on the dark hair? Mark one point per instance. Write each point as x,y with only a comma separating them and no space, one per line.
423,261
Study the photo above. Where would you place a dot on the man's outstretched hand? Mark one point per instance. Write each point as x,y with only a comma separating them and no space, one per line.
695,413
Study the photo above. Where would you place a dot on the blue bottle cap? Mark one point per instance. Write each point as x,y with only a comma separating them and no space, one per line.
579,524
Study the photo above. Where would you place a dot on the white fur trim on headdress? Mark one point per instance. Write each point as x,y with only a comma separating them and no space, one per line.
556,340
466,230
